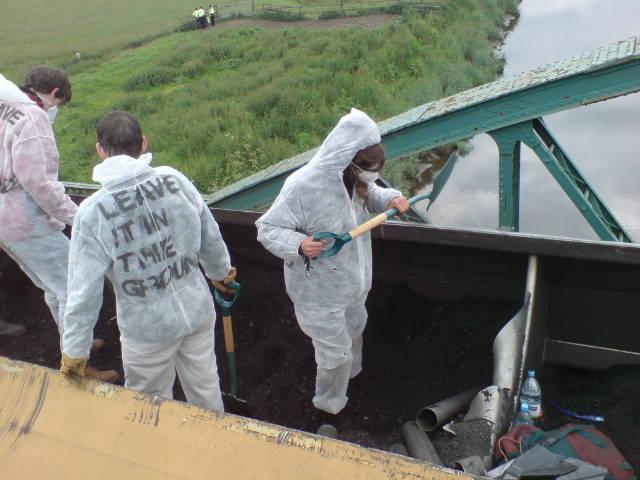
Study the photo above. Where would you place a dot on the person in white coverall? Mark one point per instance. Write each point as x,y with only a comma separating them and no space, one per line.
334,192
33,205
149,231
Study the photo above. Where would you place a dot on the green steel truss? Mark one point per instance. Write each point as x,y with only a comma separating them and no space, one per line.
535,134
510,110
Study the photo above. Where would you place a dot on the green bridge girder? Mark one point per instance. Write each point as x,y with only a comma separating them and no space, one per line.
510,110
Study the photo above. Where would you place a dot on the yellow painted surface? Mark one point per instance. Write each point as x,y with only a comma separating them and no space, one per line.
52,427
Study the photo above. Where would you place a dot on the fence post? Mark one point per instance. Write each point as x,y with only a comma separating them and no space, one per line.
253,8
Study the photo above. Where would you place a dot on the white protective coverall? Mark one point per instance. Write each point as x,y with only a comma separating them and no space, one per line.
148,230
329,302
33,205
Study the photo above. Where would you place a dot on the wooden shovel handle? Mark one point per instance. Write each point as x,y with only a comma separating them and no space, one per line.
228,333
368,225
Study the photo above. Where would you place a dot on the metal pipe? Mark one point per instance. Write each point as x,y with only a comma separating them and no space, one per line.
327,430
473,465
399,449
418,444
431,417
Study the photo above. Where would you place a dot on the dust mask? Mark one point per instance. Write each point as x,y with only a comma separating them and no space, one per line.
52,109
52,112
366,177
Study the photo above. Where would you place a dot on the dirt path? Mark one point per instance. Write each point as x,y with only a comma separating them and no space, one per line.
367,21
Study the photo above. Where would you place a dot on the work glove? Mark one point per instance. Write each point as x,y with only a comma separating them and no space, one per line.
230,278
73,366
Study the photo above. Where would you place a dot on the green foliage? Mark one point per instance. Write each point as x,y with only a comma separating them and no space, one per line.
223,104
402,173
151,78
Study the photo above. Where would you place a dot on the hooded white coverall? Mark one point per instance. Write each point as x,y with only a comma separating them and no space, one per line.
329,302
33,205
148,230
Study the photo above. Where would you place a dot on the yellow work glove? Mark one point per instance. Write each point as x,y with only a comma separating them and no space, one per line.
73,366
230,278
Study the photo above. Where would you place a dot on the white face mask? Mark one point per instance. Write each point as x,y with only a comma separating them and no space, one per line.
366,177
52,112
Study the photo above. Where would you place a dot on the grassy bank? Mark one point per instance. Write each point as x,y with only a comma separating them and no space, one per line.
222,104
38,31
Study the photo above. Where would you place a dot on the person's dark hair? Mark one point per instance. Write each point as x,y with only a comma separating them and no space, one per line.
120,133
371,159
44,80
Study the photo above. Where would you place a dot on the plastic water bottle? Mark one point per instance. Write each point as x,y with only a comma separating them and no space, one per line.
531,394
524,416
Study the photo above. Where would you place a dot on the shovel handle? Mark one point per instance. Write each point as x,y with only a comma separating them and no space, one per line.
339,241
233,288
231,354
227,324
371,224
228,333
233,376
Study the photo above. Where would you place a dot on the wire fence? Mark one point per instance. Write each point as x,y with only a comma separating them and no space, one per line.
342,8
246,8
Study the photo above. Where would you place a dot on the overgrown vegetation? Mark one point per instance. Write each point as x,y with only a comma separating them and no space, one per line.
224,104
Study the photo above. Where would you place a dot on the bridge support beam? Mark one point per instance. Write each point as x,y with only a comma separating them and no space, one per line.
535,134
509,175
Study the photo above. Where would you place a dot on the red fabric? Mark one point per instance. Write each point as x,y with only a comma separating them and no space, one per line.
32,96
589,444
608,456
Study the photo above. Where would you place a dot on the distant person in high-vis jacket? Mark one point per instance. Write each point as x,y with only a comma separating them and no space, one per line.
196,16
149,231
212,15
33,205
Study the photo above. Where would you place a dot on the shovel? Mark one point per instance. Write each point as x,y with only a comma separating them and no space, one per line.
340,240
231,401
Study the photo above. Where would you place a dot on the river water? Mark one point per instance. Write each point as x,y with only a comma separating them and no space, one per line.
602,139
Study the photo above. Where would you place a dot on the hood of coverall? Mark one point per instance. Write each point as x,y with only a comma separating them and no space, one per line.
9,92
121,167
354,132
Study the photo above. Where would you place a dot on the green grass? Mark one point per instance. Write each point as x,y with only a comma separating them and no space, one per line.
38,31
222,104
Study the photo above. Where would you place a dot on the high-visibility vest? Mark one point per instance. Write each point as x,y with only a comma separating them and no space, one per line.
211,11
